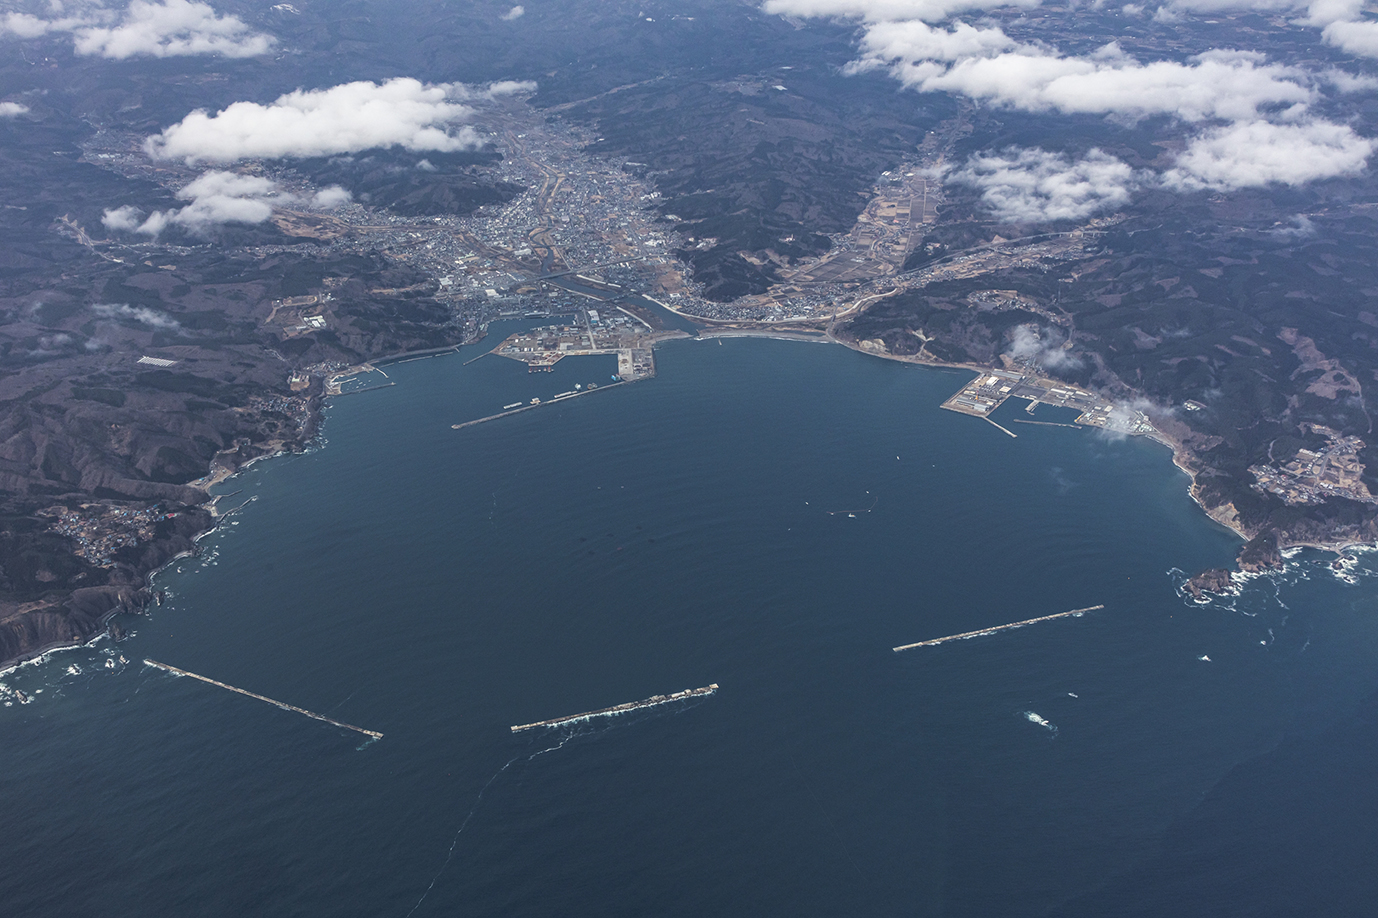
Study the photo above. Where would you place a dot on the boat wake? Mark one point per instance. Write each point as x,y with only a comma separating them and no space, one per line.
571,729
454,842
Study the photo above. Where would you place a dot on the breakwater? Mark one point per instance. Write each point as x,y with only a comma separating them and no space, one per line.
564,397
653,701
995,629
280,704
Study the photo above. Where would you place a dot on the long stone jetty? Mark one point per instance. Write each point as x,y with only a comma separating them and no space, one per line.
995,629
280,704
651,702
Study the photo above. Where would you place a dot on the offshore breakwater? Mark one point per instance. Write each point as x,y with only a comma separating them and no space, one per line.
996,629
264,698
652,702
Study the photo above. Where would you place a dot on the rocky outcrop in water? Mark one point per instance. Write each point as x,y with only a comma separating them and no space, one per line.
1217,580
1260,554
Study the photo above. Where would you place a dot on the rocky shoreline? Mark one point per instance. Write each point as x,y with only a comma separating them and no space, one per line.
85,614
1262,548
30,630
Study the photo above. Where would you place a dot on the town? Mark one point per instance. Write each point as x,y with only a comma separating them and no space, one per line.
1313,476
583,240
100,530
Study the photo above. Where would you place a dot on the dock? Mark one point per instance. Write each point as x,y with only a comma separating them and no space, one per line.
233,510
985,393
368,388
1004,429
996,629
1046,424
992,388
653,701
278,704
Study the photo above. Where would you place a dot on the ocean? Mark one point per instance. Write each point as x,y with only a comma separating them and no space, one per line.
769,516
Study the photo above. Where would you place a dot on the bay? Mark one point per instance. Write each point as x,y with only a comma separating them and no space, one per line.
769,516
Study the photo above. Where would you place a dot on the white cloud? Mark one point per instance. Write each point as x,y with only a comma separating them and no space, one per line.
123,219
1324,12
1257,153
342,119
12,109
172,28
504,88
166,28
1253,116
215,198
1299,227
1222,6
1339,20
225,197
219,197
157,221
141,314
1359,38
332,197
26,25
1043,347
1035,186
888,10
912,41
1266,136
1347,82
515,12
986,64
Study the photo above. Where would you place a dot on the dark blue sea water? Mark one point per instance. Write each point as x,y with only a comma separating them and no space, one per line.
441,585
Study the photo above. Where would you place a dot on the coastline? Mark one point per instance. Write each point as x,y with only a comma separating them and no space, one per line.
41,654
102,603
136,595
1182,455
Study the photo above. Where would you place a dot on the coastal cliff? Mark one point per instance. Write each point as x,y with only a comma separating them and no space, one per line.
66,618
